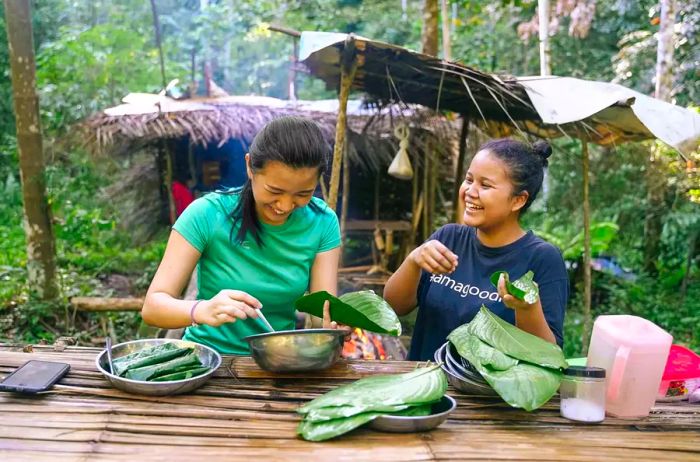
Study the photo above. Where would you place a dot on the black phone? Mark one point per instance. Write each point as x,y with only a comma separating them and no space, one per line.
34,376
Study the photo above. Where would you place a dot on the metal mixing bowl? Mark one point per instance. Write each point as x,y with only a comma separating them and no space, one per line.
409,424
207,356
297,350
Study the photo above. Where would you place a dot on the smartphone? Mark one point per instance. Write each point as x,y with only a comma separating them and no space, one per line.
34,376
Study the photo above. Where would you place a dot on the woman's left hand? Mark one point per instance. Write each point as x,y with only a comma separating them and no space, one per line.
329,324
510,301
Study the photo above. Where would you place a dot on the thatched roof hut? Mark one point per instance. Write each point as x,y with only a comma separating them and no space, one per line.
164,126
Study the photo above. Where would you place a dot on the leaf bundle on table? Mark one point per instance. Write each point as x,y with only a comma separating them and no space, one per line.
350,406
522,368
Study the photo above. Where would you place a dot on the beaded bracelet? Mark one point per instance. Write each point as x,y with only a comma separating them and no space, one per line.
194,323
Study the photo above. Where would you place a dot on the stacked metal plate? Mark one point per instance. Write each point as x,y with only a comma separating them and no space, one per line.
460,373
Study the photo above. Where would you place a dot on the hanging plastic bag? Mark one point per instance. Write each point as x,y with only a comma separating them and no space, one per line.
401,165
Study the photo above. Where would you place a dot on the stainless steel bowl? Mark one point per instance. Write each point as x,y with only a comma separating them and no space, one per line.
459,381
297,350
410,424
207,356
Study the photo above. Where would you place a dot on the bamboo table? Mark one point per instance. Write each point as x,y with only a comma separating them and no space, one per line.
246,413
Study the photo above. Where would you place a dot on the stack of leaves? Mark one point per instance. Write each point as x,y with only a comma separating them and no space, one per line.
363,309
160,363
347,407
524,369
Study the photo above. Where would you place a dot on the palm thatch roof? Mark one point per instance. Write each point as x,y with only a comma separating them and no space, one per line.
145,119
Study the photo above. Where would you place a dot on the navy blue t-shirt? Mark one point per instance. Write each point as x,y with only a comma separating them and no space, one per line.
449,300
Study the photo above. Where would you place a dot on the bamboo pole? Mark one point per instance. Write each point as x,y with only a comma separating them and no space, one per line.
345,199
587,280
347,75
426,193
459,175
169,183
434,168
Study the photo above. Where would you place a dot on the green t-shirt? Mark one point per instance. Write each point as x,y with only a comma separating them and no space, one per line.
276,274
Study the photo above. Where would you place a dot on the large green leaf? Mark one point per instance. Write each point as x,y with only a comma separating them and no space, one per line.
512,341
519,384
326,429
363,309
355,404
523,289
423,385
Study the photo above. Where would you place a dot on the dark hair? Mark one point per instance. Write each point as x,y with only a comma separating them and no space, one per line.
525,164
294,141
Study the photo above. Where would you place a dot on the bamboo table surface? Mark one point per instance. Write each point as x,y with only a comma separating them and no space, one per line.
246,413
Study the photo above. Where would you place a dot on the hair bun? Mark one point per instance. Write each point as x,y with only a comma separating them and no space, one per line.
543,151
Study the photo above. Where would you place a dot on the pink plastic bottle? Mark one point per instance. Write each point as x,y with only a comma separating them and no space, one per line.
633,351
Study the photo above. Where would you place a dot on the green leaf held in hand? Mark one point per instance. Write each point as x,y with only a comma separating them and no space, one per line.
523,289
363,309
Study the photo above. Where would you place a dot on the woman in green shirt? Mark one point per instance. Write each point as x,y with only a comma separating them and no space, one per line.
260,246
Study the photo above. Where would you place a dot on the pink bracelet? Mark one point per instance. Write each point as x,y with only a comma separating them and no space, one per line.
194,323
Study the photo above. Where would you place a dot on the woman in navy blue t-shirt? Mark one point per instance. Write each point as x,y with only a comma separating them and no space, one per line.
448,275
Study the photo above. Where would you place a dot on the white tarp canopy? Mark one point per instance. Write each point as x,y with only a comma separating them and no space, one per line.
623,114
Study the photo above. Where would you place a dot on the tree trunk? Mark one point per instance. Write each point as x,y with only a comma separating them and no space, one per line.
545,52
655,175
446,45
156,27
41,247
429,35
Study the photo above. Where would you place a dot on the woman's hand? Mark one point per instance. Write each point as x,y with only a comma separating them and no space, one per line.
434,257
328,324
512,302
226,306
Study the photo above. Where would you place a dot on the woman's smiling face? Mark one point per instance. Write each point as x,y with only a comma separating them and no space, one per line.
487,192
279,189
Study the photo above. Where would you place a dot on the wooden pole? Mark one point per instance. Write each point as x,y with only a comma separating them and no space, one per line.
587,280
426,193
446,46
345,199
169,183
347,75
459,175
434,167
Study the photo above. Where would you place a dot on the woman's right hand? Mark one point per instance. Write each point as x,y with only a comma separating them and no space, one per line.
434,257
226,306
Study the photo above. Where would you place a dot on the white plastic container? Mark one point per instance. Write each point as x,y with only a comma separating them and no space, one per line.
633,351
582,394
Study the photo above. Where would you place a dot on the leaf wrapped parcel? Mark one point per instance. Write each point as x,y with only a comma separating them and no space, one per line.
346,408
147,357
523,289
363,309
522,368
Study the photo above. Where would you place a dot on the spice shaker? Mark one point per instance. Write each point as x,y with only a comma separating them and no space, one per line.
582,394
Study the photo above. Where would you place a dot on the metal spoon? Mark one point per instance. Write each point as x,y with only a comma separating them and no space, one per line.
264,320
109,354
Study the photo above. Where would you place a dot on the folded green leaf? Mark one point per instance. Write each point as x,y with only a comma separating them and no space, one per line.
363,309
182,375
523,289
514,342
148,357
156,370
327,429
